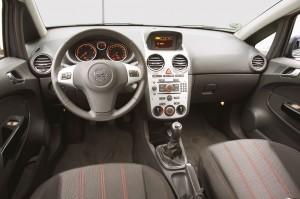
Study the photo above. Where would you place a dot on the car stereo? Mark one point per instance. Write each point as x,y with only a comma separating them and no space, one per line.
169,88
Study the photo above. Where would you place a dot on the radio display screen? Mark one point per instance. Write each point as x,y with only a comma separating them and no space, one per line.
164,42
168,88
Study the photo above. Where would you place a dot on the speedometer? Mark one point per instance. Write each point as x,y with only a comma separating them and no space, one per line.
86,52
117,52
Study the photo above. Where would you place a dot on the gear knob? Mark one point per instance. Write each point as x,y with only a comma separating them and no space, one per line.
175,131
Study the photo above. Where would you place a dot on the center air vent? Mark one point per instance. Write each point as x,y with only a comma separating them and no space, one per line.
258,63
180,62
41,64
155,62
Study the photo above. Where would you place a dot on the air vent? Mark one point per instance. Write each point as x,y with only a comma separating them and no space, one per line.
42,64
180,62
155,62
258,63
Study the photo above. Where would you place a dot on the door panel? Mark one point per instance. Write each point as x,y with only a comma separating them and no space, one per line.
22,123
265,115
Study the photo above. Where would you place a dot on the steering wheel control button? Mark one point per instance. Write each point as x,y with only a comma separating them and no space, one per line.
157,111
101,74
66,76
134,73
169,111
180,109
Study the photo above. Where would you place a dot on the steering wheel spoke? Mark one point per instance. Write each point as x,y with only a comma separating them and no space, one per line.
101,103
134,74
66,76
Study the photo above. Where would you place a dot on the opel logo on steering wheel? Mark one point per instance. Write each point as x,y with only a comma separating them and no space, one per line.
103,76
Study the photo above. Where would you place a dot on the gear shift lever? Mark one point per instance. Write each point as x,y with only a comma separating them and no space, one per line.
173,149
175,132
172,154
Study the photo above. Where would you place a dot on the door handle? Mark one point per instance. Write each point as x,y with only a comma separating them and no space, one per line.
12,131
14,78
292,109
292,73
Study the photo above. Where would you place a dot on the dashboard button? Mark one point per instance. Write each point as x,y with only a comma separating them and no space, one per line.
154,88
169,111
169,97
157,111
180,109
168,71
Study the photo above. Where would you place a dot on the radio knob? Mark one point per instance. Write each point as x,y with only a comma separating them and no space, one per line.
154,88
169,97
157,111
169,111
180,109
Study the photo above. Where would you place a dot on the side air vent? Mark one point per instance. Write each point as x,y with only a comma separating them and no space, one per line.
41,64
155,62
180,62
258,63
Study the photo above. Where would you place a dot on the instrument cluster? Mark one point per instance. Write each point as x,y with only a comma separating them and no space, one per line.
93,49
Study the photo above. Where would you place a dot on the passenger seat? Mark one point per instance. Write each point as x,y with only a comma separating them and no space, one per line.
251,169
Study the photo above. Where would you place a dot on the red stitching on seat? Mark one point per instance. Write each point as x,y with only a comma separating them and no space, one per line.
81,183
102,182
275,173
255,169
240,171
123,180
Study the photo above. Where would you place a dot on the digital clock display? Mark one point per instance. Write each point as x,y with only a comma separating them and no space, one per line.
164,42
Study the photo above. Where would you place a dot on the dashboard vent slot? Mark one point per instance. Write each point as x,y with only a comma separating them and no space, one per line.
155,62
258,63
42,64
180,62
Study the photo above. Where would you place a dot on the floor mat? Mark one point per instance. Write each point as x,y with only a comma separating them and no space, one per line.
197,135
101,144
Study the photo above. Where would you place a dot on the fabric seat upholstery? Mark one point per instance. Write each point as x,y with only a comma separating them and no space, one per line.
251,169
106,181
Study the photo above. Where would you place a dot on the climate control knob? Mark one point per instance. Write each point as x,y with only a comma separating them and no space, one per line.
180,109
169,111
157,111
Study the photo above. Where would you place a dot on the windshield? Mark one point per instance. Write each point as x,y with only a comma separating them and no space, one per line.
225,14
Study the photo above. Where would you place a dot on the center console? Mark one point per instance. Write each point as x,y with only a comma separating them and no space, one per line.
168,98
169,82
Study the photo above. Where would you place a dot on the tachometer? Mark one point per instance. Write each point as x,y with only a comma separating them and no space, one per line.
117,52
86,52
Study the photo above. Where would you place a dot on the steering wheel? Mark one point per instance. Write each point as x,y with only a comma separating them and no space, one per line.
100,80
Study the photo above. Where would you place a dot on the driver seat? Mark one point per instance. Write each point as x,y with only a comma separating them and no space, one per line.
106,181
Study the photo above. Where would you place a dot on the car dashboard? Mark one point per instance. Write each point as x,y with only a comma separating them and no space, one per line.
183,65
